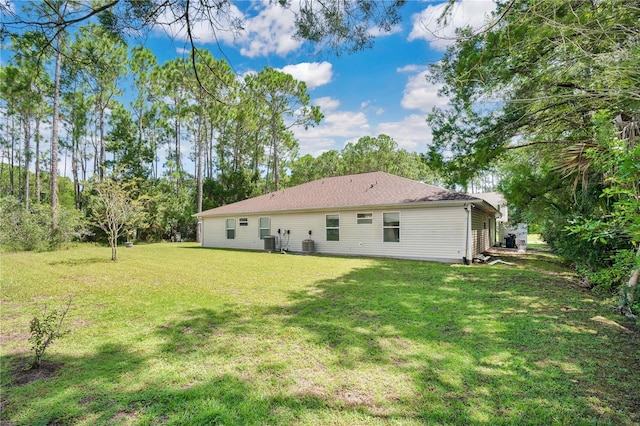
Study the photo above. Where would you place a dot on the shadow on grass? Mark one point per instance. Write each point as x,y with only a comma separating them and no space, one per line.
188,333
74,382
482,345
86,388
82,261
475,345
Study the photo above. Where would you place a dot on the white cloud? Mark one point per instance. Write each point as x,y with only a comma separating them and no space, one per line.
379,111
463,13
422,94
327,103
313,73
7,7
410,68
202,31
412,133
377,32
270,31
336,127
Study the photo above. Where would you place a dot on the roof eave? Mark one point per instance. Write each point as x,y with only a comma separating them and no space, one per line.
485,206
417,204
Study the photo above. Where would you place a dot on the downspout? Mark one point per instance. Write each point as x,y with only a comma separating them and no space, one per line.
468,258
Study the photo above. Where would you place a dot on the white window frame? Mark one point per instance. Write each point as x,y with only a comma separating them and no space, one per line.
391,227
243,221
366,216
227,222
326,228
260,228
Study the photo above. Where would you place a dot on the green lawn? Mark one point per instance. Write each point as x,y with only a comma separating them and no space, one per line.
177,334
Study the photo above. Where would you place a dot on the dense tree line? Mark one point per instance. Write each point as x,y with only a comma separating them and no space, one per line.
550,92
191,134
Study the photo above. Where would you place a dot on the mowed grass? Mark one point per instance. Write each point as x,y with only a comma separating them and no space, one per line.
177,334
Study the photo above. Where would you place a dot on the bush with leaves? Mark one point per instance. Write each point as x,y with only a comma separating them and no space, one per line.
30,229
617,160
45,328
115,209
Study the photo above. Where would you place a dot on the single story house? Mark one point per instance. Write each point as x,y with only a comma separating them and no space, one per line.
367,214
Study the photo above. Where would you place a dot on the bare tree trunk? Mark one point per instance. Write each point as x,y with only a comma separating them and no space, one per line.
12,156
113,241
37,155
74,170
102,159
200,142
274,140
27,161
177,154
54,133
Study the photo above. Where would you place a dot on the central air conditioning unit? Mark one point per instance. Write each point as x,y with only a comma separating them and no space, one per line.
308,246
270,243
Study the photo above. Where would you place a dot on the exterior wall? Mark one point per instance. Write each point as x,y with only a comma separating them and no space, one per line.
480,228
433,233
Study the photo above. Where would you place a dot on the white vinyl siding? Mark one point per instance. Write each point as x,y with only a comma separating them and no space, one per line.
480,231
428,233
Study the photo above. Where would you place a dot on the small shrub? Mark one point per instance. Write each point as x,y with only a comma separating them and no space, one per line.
24,229
44,329
609,279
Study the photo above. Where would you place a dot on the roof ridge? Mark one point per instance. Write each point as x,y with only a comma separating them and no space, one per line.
335,192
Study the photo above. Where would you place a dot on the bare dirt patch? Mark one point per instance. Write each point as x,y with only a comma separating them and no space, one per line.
20,375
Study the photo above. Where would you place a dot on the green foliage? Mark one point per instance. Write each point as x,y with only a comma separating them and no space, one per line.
342,25
30,230
368,154
612,275
540,89
229,187
45,328
132,155
114,208
282,99
168,213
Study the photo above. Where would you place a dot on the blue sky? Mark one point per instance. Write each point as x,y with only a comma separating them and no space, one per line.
379,90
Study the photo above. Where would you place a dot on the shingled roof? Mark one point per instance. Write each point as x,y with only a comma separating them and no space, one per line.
359,190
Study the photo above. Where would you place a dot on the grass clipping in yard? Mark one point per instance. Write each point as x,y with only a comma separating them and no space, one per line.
177,334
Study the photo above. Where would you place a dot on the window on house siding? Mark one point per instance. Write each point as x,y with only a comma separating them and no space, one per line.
364,218
265,227
391,227
243,221
231,229
332,223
